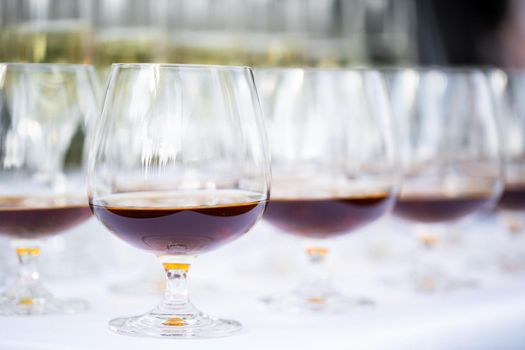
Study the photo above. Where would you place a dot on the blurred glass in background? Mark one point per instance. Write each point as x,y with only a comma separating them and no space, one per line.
50,31
260,33
128,31
264,32
255,32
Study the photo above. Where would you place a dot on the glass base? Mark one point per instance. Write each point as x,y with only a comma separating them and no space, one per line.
443,284
512,265
176,326
41,305
511,257
327,303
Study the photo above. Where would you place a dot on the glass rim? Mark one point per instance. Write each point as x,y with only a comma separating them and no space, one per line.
48,66
179,65
317,69
439,68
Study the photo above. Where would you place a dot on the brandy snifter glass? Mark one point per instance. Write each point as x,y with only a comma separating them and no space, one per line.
41,108
333,167
178,167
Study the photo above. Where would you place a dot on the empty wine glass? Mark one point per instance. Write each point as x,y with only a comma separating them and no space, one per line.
450,157
178,167
41,107
332,165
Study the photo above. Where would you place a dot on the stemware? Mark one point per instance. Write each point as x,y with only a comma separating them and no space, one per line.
129,31
332,166
178,167
450,159
50,31
508,88
41,107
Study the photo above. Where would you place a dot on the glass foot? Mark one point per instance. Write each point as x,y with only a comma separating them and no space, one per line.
512,262
176,326
443,285
41,305
328,303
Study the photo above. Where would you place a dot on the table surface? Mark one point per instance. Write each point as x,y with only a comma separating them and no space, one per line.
228,283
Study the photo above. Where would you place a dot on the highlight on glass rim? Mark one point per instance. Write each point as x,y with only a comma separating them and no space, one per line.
278,173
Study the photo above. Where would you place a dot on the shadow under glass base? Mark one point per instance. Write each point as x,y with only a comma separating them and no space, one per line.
442,283
42,304
179,326
333,302
139,287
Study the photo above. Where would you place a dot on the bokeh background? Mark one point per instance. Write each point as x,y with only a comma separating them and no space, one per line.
318,33
322,33
264,32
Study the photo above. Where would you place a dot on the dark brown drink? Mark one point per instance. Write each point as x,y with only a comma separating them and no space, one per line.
323,218
169,225
513,198
439,208
34,217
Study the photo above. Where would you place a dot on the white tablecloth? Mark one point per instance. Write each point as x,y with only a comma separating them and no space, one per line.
228,283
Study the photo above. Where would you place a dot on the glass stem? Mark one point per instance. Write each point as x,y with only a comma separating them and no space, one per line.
27,287
513,222
27,260
176,303
316,285
426,271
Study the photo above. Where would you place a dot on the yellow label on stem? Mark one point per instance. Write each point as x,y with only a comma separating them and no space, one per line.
24,251
428,239
317,251
316,300
26,301
176,266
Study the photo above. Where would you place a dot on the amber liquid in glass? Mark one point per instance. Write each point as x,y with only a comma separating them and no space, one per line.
513,198
431,208
40,217
182,224
326,217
